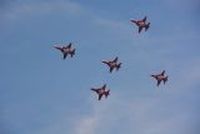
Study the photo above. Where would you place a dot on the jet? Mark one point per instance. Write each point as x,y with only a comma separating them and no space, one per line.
141,24
160,77
101,91
66,50
113,64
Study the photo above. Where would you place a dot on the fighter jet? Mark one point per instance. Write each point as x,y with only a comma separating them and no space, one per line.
101,91
66,50
160,77
141,24
113,64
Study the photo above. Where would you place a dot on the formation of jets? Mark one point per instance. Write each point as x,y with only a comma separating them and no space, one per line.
113,64
141,24
66,50
101,91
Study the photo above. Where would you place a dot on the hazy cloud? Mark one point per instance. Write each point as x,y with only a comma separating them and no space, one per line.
20,9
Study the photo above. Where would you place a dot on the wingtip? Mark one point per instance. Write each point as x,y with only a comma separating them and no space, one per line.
103,61
152,75
132,21
92,89
55,46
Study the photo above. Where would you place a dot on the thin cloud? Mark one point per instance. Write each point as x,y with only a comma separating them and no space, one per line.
152,115
143,115
186,5
20,9
86,125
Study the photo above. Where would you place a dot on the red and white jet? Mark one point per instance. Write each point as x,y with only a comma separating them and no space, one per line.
101,91
141,24
66,50
113,64
160,77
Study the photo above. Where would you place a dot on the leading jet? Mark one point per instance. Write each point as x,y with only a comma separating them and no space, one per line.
113,64
101,91
141,24
160,77
66,50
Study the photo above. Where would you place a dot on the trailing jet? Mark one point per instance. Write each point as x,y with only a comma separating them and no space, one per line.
66,50
141,24
160,77
101,91
113,64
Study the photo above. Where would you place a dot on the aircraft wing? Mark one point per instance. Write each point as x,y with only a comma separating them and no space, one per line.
64,55
104,86
70,45
115,60
100,96
111,69
163,72
57,47
158,82
140,29
145,18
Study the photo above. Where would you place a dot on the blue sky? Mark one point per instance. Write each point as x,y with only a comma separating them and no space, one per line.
42,94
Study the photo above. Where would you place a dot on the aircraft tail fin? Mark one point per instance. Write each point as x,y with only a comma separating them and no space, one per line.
107,93
147,26
73,52
165,80
119,66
